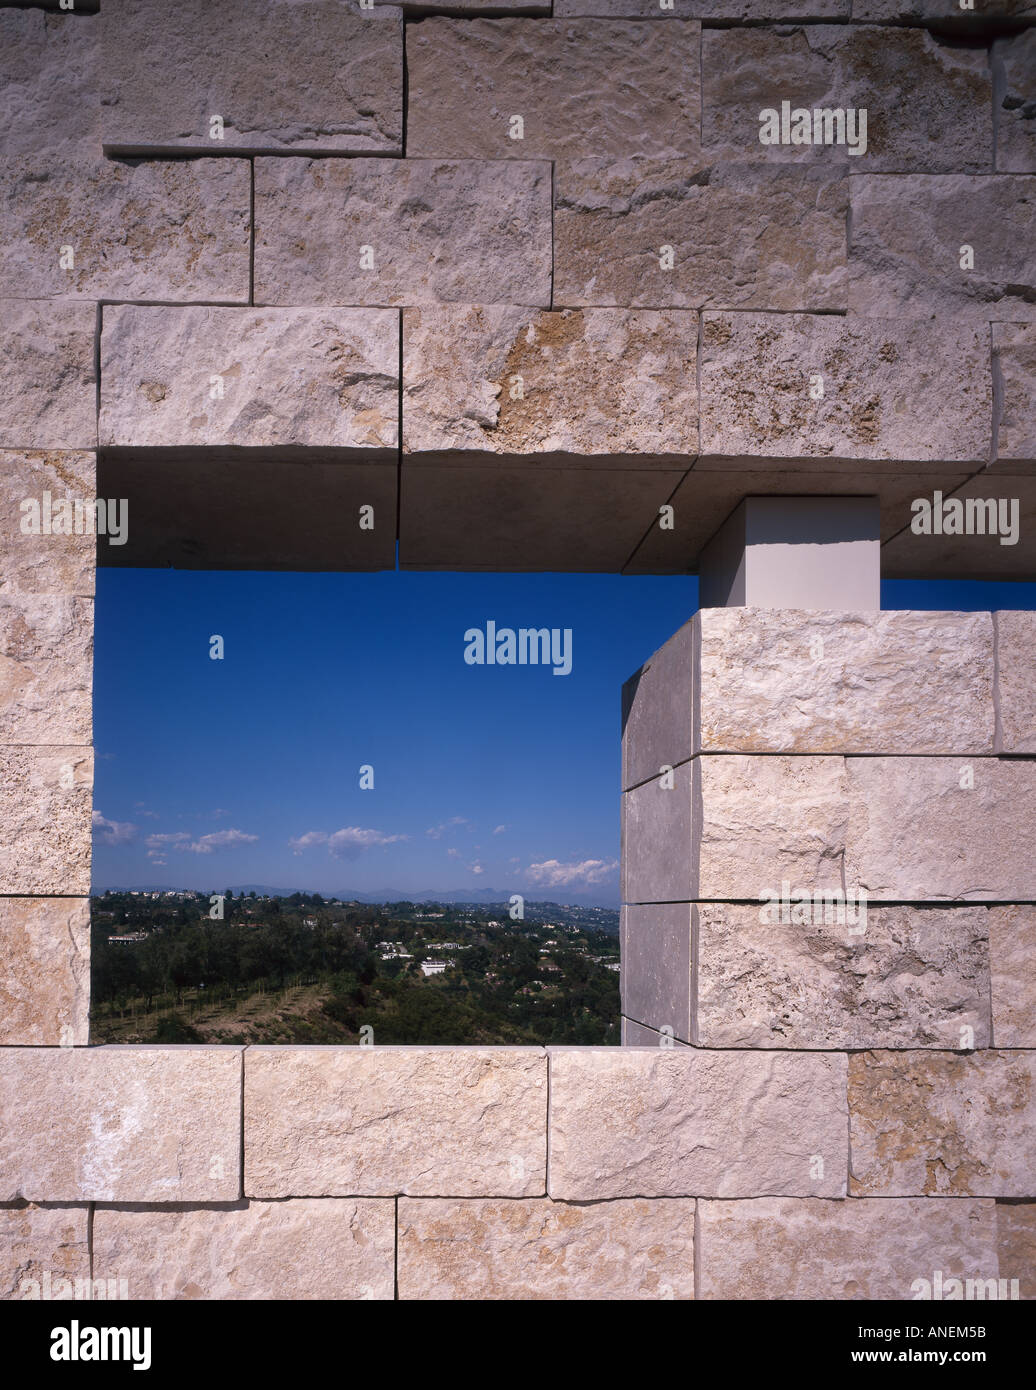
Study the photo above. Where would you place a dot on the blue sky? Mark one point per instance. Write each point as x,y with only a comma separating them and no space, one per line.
246,770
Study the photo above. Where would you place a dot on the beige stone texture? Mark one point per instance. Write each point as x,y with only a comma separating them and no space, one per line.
542,1250
680,1122
505,380
321,378
45,980
45,804
1016,679
915,977
467,79
788,1248
121,1124
612,219
312,1248
1016,1242
379,1121
1014,88
890,390
1012,960
1014,373
48,390
439,230
49,96
43,1249
46,669
44,564
706,9
932,1124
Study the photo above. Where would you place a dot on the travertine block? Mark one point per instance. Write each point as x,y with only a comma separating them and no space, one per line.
707,9
310,1248
1016,1244
1016,679
469,78
934,1124
48,390
44,564
49,97
926,11
657,845
431,230
1012,963
505,380
613,220
658,709
915,977
43,1247
656,966
781,1247
538,1249
374,1121
326,378
788,681
173,230
681,1122
121,1124
1013,62
917,834
45,981
1014,372
46,669
879,380
45,796
906,250
928,103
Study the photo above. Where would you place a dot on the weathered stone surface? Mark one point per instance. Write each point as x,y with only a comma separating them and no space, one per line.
305,76
438,231
926,1124
49,98
879,381
45,981
680,1122
423,7
172,230
39,1244
658,709
915,978
780,1247
44,564
656,966
917,835
1014,373
1012,963
374,1121
706,9
312,1248
928,103
788,681
48,390
1016,1244
121,1124
538,1249
635,1034
46,669
468,78
313,377
657,846
45,796
907,234
925,11
1014,87
1016,679
505,380
612,219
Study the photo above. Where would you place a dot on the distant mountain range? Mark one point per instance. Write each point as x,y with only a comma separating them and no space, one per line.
383,895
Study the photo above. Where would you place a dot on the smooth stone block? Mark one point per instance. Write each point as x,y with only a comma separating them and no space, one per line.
49,91
1014,375
658,704
48,388
656,966
46,669
45,807
1016,679
43,1248
45,564
1012,961
1013,61
635,1034
657,845
45,980
979,551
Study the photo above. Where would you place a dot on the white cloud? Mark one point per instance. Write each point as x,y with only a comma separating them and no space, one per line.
113,832
557,875
347,843
181,840
453,854
500,830
436,832
476,868
307,841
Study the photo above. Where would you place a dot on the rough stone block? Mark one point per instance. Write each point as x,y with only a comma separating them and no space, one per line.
48,390
916,834
45,804
504,380
1016,679
613,219
469,78
914,978
431,230
680,1122
936,11
49,97
1014,85
927,1124
175,230
44,564
375,1121
324,378
1014,376
891,391
539,1250
657,845
121,1124
1012,963
929,104
787,681
787,1248
43,1248
45,981
706,9
46,669
312,1248
656,966
907,239
658,709
1016,1244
